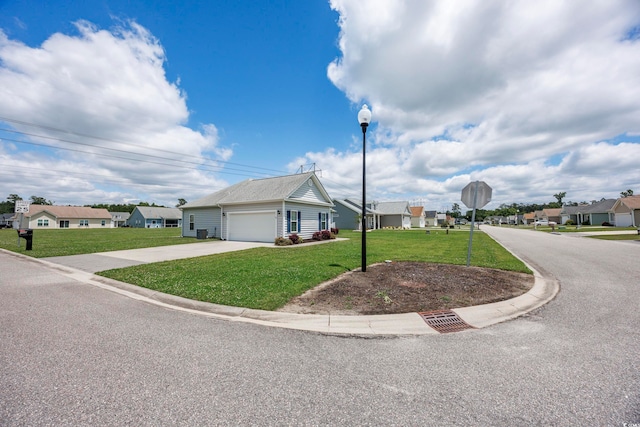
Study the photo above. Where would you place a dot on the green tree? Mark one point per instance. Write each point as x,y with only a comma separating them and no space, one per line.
627,193
181,202
560,196
35,200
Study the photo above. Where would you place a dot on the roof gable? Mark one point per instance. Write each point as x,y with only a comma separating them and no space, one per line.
393,208
417,210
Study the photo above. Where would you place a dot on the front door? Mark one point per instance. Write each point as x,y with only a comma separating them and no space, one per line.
64,224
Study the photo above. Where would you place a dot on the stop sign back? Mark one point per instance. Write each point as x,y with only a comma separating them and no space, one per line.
483,197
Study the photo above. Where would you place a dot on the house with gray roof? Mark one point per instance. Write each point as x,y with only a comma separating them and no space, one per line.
595,213
394,214
261,210
155,217
379,214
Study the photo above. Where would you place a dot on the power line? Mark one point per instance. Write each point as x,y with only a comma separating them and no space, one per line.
50,128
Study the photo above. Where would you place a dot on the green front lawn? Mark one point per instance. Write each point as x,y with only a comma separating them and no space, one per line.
48,243
267,278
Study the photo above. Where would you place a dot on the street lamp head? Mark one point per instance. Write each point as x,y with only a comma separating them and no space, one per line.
364,116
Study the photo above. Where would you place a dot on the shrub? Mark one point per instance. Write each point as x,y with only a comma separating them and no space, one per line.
607,224
316,236
570,222
335,230
295,239
326,234
282,241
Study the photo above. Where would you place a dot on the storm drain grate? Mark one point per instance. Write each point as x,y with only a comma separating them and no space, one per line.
445,321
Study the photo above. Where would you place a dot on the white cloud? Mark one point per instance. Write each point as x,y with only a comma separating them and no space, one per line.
490,90
110,85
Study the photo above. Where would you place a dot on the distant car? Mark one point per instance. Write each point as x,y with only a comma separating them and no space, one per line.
542,222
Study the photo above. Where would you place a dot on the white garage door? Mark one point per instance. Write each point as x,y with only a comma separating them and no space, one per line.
252,227
623,220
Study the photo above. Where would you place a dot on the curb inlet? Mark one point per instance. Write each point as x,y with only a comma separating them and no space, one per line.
445,321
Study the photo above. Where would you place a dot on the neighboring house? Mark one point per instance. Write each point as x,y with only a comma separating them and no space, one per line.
571,213
430,218
6,220
347,214
155,217
47,216
393,214
261,210
119,219
529,218
418,217
596,213
551,215
442,219
626,211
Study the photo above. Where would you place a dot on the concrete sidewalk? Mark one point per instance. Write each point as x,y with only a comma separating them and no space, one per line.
82,267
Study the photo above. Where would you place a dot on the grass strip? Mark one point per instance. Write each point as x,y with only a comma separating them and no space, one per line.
267,278
48,243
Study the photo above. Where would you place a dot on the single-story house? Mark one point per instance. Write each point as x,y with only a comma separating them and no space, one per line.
48,216
119,219
430,218
393,214
626,211
348,212
6,220
261,210
551,215
571,213
155,217
529,218
418,217
596,213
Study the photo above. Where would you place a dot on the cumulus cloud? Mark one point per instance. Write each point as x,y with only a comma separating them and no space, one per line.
102,101
499,91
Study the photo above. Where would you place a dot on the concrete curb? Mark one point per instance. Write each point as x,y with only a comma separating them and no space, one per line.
408,324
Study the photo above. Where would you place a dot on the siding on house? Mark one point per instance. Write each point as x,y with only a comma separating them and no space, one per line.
204,218
309,222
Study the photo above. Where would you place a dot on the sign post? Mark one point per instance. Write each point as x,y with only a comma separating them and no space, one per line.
21,207
475,195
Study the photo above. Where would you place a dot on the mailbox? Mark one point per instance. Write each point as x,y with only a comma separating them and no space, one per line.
27,234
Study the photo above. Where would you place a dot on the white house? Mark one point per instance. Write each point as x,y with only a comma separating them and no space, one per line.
627,211
261,210
418,216
48,216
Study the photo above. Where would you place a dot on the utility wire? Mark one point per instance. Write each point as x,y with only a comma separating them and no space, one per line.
50,128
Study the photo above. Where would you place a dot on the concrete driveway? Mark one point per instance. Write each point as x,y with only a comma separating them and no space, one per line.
101,261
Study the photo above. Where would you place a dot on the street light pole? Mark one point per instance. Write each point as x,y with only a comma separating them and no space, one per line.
364,117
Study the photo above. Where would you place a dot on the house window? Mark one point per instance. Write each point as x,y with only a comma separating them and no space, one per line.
323,220
64,224
43,223
192,222
84,223
103,223
293,218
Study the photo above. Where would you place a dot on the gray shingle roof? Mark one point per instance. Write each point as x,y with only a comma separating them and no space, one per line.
159,212
254,190
393,208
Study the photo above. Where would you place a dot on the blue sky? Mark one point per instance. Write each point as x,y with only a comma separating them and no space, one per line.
160,101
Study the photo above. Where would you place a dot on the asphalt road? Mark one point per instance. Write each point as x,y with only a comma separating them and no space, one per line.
74,354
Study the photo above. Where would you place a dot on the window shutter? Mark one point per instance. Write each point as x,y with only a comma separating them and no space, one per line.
299,221
320,221
288,221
